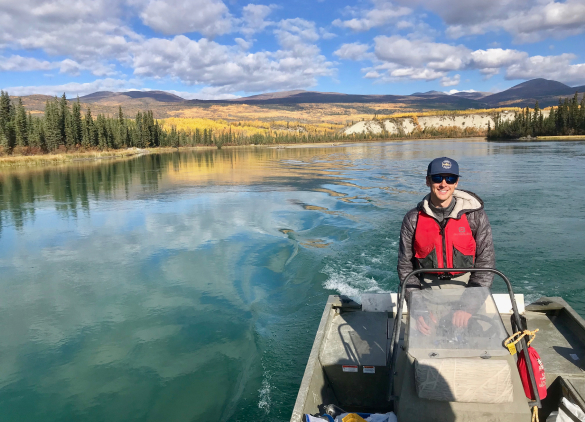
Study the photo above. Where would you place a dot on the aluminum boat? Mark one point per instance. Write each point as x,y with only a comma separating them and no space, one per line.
370,358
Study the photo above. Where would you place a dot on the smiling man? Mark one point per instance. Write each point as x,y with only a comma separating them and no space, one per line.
448,229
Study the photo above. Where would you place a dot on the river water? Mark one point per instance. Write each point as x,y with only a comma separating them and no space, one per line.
189,286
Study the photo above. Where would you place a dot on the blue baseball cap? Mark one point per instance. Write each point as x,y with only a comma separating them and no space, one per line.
443,165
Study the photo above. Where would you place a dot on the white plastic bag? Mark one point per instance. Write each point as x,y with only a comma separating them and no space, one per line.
315,419
573,409
381,417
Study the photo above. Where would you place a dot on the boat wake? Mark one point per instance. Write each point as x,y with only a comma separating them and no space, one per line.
352,282
264,393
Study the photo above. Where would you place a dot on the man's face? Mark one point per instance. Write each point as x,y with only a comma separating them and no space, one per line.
441,193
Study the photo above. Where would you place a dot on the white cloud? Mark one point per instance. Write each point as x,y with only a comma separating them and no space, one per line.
93,37
447,81
171,17
73,88
254,18
354,51
419,53
76,29
326,35
558,68
372,74
416,73
24,64
496,58
17,63
244,45
291,32
383,13
455,91
228,69
209,93
525,20
399,58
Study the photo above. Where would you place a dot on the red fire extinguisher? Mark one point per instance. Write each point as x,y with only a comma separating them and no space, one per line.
537,366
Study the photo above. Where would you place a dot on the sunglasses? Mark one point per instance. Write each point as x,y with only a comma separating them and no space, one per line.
451,179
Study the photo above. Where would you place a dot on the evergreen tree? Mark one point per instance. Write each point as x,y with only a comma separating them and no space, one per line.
7,132
140,131
37,138
582,114
76,123
102,132
52,125
122,131
536,120
21,125
573,117
89,131
64,116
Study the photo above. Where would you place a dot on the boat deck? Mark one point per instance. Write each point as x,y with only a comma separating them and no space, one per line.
350,338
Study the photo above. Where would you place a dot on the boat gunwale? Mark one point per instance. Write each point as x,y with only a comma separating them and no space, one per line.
304,388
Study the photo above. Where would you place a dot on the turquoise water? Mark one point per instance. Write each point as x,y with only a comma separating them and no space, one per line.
189,286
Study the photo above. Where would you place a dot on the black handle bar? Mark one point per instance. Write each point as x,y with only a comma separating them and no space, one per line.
398,321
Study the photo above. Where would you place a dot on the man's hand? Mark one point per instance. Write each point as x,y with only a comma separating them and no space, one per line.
461,318
422,326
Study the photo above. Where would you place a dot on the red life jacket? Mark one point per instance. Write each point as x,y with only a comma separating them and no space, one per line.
450,247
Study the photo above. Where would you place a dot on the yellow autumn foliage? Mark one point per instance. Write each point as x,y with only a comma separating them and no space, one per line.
449,112
247,127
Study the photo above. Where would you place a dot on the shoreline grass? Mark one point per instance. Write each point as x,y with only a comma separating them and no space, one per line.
561,138
66,157
59,158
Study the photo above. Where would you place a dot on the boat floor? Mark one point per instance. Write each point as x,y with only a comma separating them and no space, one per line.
560,343
562,353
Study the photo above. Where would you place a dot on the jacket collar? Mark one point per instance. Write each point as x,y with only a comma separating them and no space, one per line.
466,202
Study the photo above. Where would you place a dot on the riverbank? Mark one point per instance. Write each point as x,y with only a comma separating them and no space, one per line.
540,139
11,161
561,138
74,156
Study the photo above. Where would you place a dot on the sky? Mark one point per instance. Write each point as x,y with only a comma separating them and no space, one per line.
219,49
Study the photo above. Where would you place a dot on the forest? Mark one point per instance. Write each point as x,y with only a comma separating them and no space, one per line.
568,118
65,127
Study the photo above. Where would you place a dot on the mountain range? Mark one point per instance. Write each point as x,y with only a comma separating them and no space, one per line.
547,92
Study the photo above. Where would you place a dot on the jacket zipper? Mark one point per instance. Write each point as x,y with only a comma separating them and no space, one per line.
444,248
442,231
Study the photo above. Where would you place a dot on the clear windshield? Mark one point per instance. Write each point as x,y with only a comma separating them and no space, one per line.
447,330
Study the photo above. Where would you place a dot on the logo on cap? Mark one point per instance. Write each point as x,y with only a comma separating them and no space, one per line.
446,164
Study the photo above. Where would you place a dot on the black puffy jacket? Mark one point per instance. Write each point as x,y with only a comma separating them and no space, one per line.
466,203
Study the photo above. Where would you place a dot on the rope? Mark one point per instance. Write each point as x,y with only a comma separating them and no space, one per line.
535,414
519,336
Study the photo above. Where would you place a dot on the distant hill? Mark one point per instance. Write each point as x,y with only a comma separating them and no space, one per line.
471,95
165,104
428,94
96,96
526,93
161,96
313,97
270,95
547,92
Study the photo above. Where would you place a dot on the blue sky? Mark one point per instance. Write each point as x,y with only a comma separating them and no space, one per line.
228,48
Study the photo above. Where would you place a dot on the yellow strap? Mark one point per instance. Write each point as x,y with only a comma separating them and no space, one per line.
535,414
518,336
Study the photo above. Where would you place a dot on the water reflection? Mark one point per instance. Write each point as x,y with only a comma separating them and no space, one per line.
73,187
188,286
